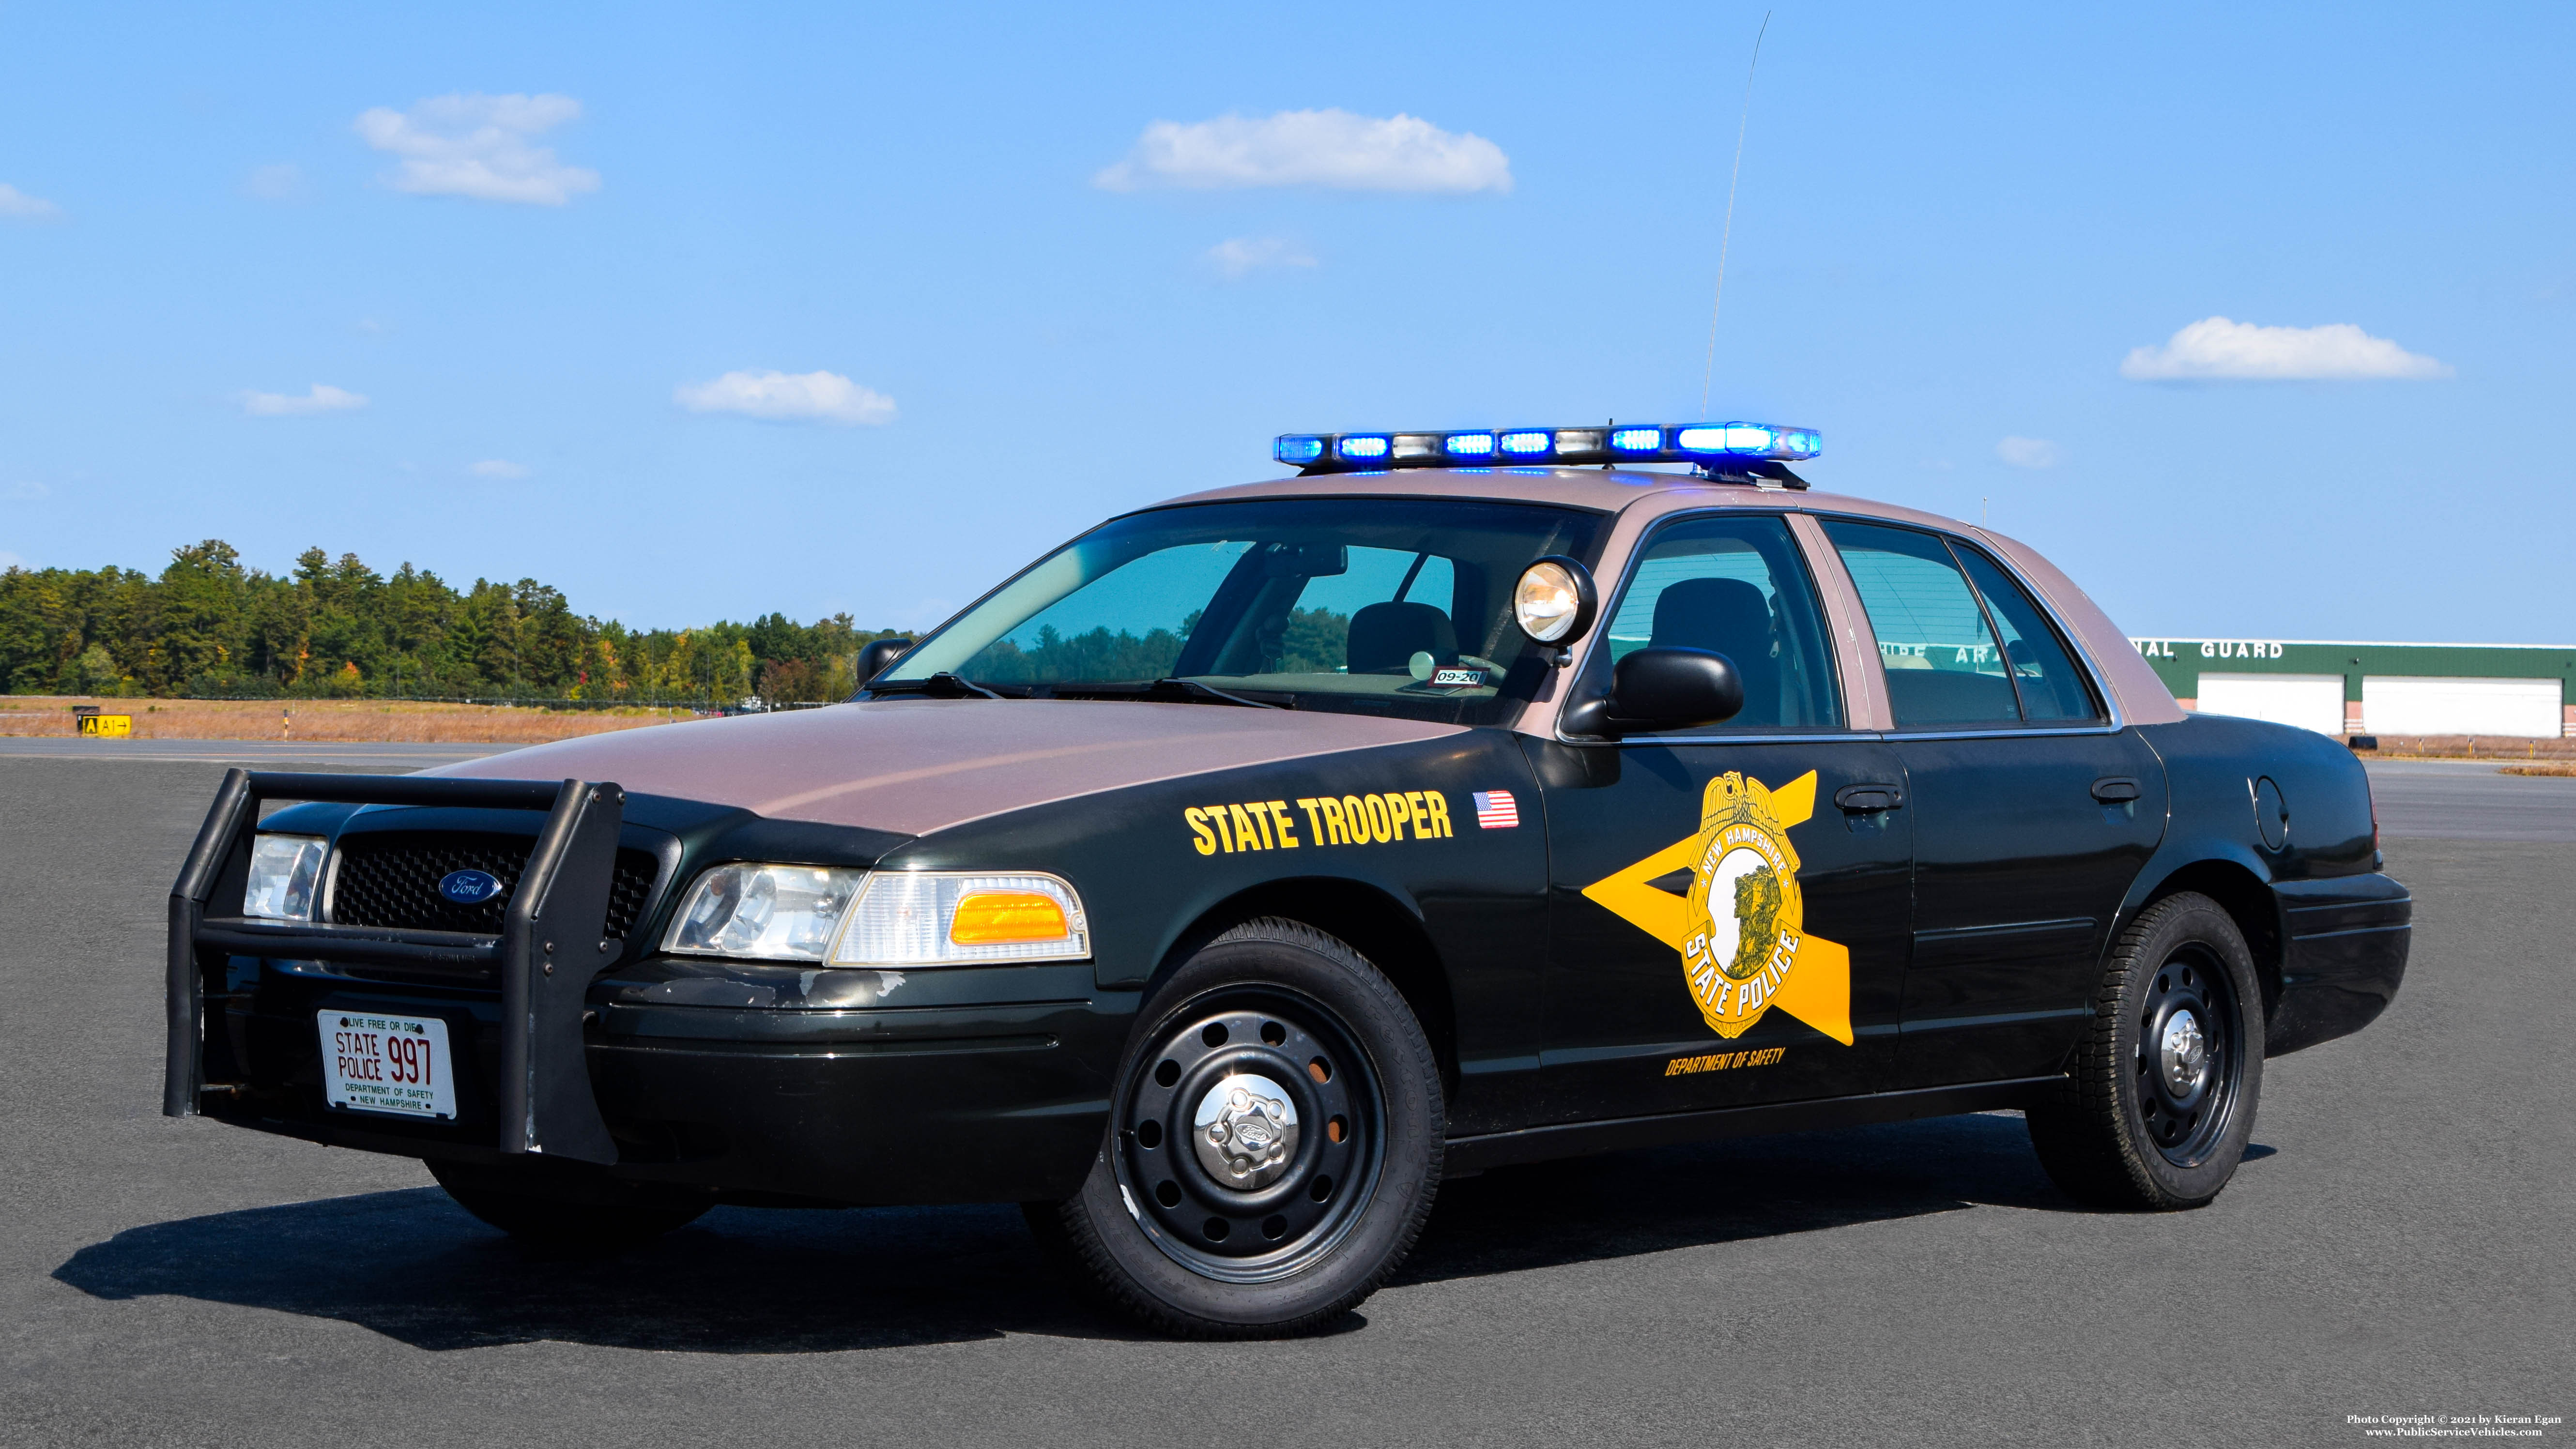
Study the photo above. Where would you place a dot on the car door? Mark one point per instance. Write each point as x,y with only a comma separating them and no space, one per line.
2031,811
1728,904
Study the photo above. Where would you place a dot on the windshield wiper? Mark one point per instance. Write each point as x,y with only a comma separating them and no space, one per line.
1168,690
942,685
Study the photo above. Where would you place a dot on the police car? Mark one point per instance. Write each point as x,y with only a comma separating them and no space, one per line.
1228,877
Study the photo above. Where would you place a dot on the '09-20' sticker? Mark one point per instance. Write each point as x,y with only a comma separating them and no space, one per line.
1330,820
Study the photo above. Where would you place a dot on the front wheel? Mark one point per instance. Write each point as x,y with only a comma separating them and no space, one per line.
2160,1104
1273,1148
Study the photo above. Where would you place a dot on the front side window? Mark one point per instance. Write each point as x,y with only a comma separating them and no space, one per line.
1735,586
1938,634
1370,605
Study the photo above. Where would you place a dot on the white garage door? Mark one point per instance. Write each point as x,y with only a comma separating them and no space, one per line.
2398,705
2310,701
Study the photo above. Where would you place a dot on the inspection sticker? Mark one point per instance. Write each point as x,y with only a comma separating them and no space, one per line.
397,1064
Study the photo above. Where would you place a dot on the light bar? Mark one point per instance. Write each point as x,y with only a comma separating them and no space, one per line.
1715,445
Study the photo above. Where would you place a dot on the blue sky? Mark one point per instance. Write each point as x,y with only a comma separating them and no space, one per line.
1030,310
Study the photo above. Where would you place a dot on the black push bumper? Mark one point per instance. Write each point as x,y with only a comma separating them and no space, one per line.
549,949
751,1081
2344,946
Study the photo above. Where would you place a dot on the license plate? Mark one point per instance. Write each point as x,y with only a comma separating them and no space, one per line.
396,1064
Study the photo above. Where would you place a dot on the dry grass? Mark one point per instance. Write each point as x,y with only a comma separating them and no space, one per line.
2564,767
327,719
2471,747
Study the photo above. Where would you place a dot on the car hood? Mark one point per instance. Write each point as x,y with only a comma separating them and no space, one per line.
919,765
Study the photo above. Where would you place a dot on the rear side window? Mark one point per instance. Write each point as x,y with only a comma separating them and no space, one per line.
2044,674
1957,652
1736,586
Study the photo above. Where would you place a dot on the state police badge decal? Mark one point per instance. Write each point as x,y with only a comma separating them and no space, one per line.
1741,929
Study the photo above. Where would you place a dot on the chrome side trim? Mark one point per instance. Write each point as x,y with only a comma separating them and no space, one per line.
2023,733
1837,737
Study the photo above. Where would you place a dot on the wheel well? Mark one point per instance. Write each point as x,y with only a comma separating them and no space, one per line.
2248,901
1366,919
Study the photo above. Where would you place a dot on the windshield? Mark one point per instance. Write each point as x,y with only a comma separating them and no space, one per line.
1372,605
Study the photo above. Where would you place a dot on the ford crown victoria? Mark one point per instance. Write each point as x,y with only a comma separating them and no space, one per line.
1219,883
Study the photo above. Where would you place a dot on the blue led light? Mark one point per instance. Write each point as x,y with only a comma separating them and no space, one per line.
1708,443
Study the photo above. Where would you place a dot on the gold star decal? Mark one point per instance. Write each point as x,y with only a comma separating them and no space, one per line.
1741,931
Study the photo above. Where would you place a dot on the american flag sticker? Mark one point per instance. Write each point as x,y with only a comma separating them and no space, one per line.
1495,809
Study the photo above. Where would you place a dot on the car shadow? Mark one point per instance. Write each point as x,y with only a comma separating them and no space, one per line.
413,1266
1653,1200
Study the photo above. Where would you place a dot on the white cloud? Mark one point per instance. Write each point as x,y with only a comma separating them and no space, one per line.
479,146
281,182
24,492
1241,255
818,397
1311,148
2215,348
324,398
19,204
2030,452
498,468
10,560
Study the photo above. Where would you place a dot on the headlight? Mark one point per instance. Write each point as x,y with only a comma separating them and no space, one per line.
898,918
765,912
285,876
939,918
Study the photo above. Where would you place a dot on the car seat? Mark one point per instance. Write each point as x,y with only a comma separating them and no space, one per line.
1729,617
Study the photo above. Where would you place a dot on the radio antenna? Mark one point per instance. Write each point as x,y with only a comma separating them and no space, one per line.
1708,378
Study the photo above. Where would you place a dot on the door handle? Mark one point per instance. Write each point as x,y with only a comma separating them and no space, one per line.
2114,789
1862,799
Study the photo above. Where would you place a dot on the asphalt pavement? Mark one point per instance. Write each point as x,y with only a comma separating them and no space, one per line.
391,756
2397,1243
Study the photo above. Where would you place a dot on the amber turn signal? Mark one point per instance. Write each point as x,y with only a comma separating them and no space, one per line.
994,917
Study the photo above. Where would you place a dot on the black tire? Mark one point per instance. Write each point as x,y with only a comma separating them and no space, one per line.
1272,1227
2137,1127
569,1214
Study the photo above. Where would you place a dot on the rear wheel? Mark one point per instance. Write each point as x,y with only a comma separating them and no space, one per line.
2160,1104
1274,1143
566,1211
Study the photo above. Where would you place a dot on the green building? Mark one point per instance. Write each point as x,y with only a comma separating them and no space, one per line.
2344,688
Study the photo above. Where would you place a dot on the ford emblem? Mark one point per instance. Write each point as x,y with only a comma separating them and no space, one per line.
469,887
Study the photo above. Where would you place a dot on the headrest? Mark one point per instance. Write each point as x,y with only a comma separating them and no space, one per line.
1385,637
1727,615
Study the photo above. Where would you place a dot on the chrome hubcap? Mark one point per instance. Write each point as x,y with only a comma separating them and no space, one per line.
2184,1053
1245,1131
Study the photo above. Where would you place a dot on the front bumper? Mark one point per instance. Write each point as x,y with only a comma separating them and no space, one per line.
753,1082
2344,946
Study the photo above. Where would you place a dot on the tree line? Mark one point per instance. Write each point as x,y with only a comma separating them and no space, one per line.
208,627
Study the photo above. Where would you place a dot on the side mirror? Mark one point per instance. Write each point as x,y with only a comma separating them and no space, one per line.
876,655
1660,689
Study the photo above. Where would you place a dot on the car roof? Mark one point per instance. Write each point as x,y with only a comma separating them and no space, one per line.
1605,490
